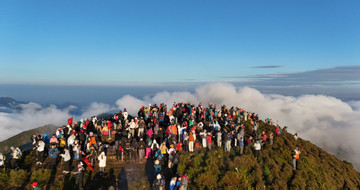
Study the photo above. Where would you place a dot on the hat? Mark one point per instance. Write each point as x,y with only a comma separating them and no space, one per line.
34,183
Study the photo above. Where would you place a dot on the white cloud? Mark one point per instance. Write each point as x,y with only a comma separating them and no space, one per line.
96,108
33,115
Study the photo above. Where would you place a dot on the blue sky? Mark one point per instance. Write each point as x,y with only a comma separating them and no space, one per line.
158,42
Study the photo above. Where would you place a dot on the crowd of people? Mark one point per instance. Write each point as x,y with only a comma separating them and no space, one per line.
157,133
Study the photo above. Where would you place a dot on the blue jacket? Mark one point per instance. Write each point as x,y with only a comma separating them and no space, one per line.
46,139
53,152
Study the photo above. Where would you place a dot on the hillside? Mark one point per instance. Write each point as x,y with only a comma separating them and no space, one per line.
208,170
23,139
316,169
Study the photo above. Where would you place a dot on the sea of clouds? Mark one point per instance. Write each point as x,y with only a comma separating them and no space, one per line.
326,121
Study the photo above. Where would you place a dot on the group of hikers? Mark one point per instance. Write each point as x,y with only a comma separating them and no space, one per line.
158,134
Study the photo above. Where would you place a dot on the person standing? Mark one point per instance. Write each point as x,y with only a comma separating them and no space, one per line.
78,173
66,156
184,181
241,145
209,139
257,147
173,183
271,138
53,153
141,149
296,157
102,163
191,142
40,151
218,138
16,154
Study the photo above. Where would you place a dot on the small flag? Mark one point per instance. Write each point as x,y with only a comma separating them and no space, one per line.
70,121
87,162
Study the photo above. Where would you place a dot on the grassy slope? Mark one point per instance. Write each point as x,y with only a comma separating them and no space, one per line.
316,169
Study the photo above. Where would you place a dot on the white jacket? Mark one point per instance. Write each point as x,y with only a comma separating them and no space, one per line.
102,160
41,146
66,156
257,146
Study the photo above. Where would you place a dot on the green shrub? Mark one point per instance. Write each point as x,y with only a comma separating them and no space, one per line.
235,180
4,178
17,178
42,176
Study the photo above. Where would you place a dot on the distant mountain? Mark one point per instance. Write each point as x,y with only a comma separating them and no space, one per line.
24,138
8,104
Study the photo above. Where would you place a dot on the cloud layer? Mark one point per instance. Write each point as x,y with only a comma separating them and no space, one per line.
326,121
33,115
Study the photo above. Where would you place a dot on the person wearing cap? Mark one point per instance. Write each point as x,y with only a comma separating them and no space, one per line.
62,143
35,186
78,172
184,181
